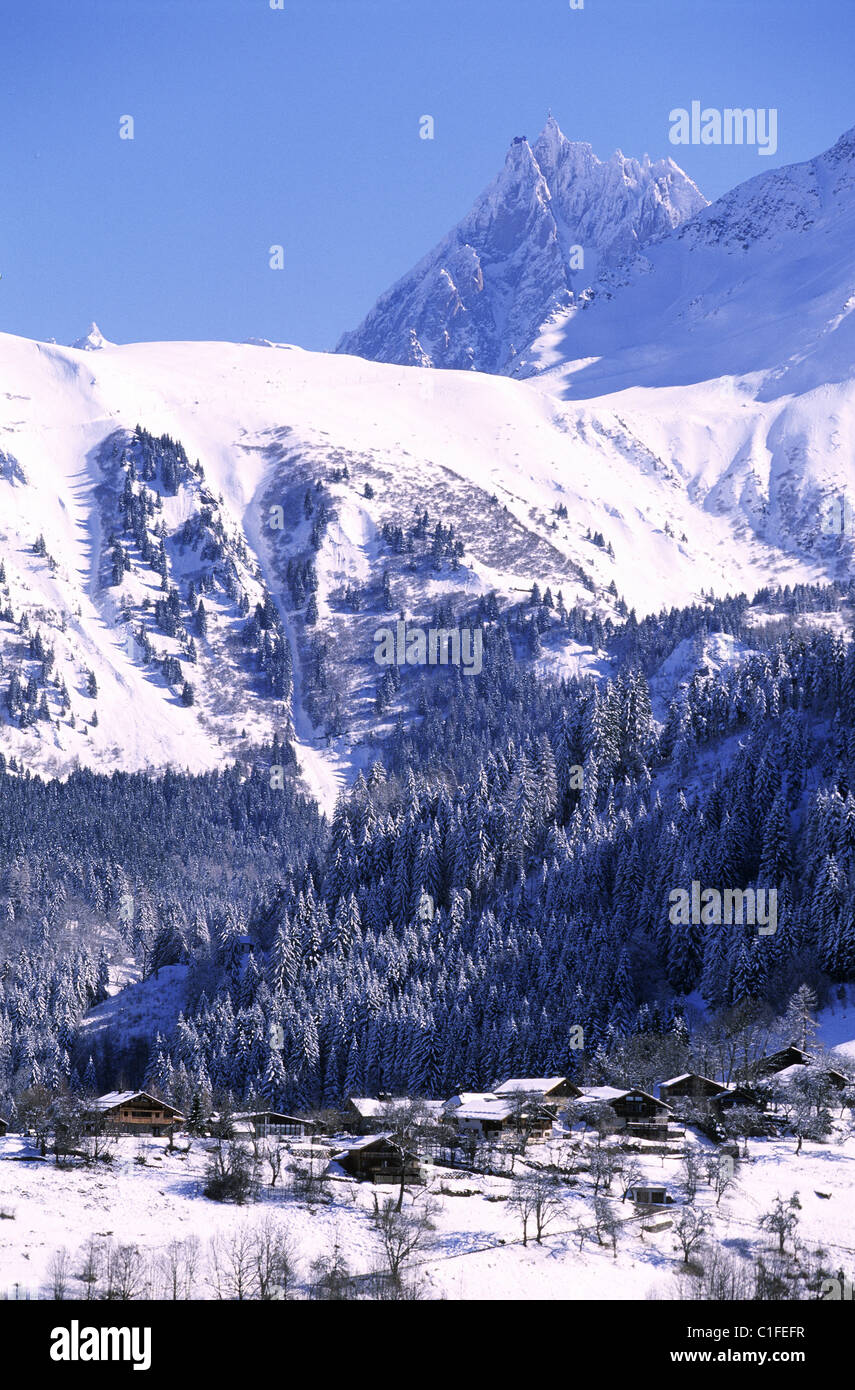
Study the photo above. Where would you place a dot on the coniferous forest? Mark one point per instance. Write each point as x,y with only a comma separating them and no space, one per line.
498,877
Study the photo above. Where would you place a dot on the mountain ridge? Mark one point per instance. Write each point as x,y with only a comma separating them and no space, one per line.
475,299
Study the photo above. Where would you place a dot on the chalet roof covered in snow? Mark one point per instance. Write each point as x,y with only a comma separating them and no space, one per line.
370,1107
605,1093
529,1085
367,1141
489,1108
111,1099
469,1098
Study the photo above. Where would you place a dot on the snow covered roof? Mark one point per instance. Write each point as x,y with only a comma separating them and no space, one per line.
369,1107
608,1093
485,1110
274,1115
602,1093
113,1098
526,1084
789,1073
469,1098
365,1142
691,1076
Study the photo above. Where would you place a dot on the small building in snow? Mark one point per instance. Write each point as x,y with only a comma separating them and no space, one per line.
649,1195
270,1124
734,1096
134,1112
547,1090
632,1104
639,1114
690,1086
483,1115
4,1126
370,1114
374,1158
779,1061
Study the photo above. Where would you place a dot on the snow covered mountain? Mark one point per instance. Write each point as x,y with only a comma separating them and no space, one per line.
540,233
286,492
733,338
686,426
760,282
92,341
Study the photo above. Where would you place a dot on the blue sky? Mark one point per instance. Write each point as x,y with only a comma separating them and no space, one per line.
300,127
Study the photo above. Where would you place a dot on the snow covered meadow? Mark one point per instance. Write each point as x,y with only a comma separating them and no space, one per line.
140,1225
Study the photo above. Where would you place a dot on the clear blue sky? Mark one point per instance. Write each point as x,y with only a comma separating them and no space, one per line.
256,126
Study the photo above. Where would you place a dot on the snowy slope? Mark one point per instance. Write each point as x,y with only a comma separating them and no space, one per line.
729,346
149,1197
378,444
760,282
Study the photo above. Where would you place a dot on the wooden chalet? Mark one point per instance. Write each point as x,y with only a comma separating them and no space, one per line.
546,1090
734,1096
373,1158
270,1124
632,1104
483,1115
134,1112
642,1115
690,1086
779,1061
788,1059
834,1078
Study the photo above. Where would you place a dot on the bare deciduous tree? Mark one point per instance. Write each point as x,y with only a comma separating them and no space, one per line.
275,1259
232,1265
402,1234
690,1229
690,1174
273,1153
783,1219
59,1273
606,1223
125,1272
177,1267
720,1174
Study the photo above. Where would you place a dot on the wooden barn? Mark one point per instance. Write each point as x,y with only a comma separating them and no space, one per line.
134,1112
834,1078
690,1086
375,1159
369,1114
